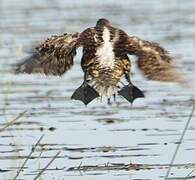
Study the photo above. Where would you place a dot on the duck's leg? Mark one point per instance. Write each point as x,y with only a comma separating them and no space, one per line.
85,92
114,97
130,92
109,101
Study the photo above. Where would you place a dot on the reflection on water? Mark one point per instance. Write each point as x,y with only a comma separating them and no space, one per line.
97,142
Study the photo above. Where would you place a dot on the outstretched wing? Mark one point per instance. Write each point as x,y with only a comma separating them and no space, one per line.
52,57
154,61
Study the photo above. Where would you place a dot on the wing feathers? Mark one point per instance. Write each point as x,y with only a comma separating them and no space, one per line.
53,57
154,61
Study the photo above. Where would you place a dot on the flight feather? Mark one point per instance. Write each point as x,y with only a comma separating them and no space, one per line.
153,60
52,57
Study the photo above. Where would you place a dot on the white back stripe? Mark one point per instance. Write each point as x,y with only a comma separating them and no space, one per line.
104,53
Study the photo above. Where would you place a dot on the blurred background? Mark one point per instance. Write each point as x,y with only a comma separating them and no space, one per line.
97,136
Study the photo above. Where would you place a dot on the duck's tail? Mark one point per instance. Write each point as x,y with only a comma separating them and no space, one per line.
106,84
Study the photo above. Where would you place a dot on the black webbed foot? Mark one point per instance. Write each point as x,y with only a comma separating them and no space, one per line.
85,93
130,93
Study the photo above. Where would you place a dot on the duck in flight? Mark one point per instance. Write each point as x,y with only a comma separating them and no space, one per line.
104,62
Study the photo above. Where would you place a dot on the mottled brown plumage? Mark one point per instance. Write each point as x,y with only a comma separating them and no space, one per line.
52,57
104,59
154,61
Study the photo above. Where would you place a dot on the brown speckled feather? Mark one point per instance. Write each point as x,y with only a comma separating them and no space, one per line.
154,61
53,57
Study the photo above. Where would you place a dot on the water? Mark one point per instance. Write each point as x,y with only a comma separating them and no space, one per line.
97,142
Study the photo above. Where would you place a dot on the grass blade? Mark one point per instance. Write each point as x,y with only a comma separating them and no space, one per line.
180,141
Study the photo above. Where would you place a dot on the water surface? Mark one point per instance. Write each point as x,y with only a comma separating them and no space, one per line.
98,142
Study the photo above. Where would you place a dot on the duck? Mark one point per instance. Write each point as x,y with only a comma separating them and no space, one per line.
104,61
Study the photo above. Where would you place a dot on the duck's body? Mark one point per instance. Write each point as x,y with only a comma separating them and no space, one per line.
104,61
